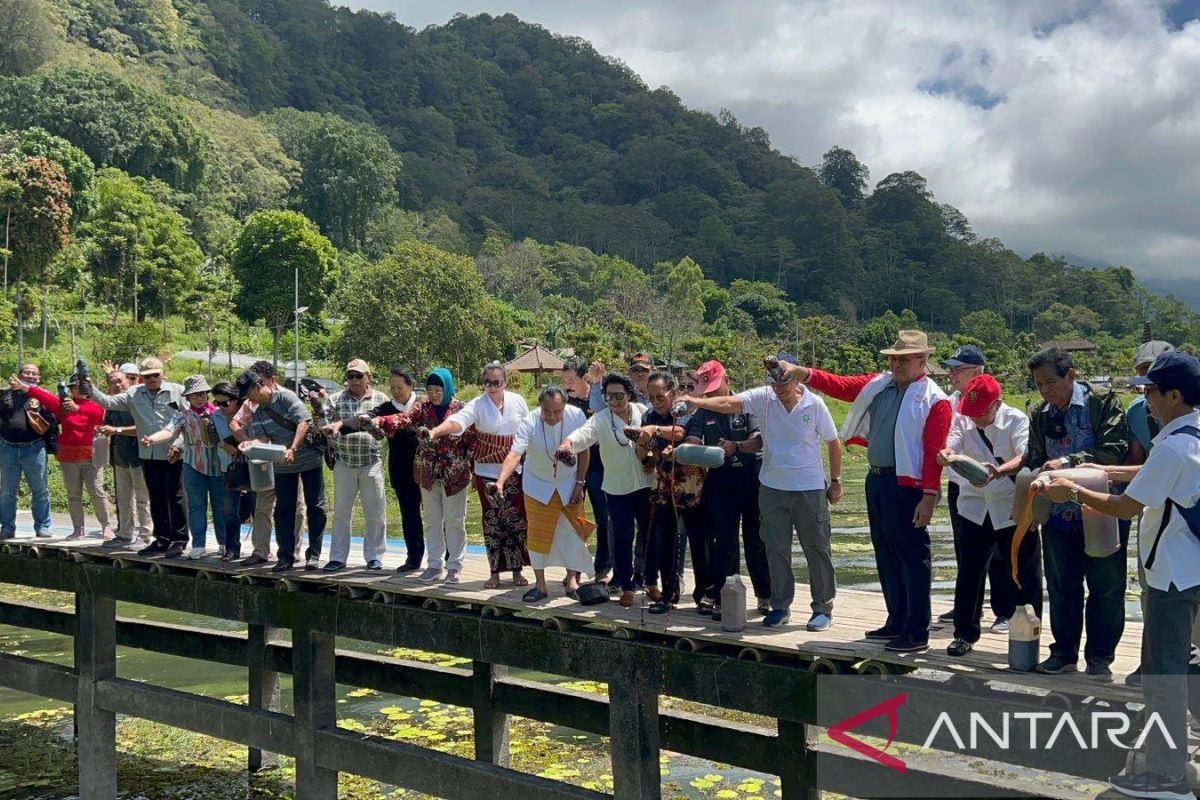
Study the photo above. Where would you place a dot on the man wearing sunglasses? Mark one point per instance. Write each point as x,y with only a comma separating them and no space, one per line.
357,468
1075,423
903,418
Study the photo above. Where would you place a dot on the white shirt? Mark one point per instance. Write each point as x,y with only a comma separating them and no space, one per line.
537,441
623,473
791,439
951,475
1171,470
1009,435
483,414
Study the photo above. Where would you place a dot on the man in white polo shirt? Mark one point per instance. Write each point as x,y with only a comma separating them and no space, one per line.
794,423
1167,489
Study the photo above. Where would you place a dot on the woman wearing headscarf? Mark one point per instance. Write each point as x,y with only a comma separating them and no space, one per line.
204,462
442,468
626,484
494,417
75,448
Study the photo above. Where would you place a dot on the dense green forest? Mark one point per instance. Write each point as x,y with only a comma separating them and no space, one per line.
444,192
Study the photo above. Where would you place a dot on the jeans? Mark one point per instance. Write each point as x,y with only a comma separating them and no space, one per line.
203,492
348,484
1067,569
287,492
29,461
230,536
1167,647
808,513
599,501
902,555
630,518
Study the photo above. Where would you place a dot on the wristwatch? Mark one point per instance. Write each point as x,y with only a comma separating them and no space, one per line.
1075,494
838,479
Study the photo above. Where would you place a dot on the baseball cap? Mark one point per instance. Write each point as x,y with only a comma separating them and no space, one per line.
129,368
150,366
978,396
358,365
709,376
966,356
1173,370
641,361
1147,352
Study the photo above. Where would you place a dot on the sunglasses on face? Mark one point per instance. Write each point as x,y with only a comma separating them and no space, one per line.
492,384
224,403
615,397
354,376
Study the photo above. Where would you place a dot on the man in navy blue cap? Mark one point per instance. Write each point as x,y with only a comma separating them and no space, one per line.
966,365
1166,489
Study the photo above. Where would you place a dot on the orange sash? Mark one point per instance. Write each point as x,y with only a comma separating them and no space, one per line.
543,520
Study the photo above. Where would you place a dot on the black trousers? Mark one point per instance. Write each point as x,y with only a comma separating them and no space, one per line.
1002,603
1068,568
408,494
287,492
981,547
164,483
731,499
902,555
667,554
629,516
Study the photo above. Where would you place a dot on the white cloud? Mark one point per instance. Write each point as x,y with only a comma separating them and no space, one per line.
1057,125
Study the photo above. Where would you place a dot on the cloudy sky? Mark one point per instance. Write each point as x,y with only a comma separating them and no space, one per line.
1069,127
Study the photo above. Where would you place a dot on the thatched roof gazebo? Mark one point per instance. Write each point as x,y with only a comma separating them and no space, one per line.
537,360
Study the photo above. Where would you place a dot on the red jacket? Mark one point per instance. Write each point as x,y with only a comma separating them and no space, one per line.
933,439
78,427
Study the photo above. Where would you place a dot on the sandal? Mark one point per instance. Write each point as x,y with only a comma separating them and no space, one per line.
519,579
492,582
534,595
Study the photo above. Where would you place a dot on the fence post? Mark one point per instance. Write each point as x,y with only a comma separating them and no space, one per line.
314,698
797,776
633,732
491,725
264,686
95,661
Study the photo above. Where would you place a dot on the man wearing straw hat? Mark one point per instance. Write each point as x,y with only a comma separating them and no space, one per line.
902,417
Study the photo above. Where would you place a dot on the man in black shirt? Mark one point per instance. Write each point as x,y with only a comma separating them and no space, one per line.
28,431
731,492
577,388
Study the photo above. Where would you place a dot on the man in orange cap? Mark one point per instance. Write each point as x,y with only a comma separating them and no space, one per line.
996,435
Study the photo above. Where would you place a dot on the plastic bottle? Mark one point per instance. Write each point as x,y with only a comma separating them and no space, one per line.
1024,639
733,605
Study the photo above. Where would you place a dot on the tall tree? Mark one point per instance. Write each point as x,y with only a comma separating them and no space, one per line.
272,245
842,171
28,36
81,173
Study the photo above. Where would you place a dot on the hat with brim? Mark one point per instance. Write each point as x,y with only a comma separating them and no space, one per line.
196,384
909,343
979,395
129,368
1148,352
150,366
966,356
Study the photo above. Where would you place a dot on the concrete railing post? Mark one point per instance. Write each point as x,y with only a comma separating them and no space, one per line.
95,661
264,686
314,699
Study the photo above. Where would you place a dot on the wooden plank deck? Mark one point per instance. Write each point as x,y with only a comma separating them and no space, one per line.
854,613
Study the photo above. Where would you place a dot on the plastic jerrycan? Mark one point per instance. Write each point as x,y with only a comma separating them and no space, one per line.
1024,638
733,605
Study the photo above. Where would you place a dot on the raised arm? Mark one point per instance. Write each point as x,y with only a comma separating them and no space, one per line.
842,387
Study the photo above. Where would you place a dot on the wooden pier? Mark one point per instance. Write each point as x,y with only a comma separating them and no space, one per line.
772,673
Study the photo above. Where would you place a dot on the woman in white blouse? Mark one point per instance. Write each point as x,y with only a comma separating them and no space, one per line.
495,415
626,483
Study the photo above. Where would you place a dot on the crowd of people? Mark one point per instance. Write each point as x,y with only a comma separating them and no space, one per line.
610,439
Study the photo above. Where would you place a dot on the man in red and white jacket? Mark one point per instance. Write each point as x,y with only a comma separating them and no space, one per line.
902,418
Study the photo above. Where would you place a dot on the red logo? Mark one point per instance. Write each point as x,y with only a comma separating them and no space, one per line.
838,732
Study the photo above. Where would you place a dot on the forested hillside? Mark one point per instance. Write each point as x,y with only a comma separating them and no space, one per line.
486,176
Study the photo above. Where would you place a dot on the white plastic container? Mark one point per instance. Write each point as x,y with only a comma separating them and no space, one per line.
1024,639
733,604
266,452
262,475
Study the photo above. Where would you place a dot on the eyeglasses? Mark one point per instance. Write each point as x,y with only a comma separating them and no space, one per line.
615,397
224,403
689,387
354,376
657,398
492,384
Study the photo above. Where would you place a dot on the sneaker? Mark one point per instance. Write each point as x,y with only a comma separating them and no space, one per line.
1152,785
1000,625
431,574
704,608
375,563
174,550
959,647
907,643
155,548
253,560
764,605
334,566
1099,672
406,568
1056,665
777,617
819,622
947,617
661,607
116,542
1134,678
196,553
311,563
44,535
452,576
283,565
883,634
